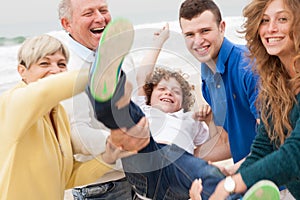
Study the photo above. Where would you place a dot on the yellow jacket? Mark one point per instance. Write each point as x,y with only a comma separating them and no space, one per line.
36,158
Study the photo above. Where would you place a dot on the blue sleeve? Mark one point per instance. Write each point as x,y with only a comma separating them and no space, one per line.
251,81
205,93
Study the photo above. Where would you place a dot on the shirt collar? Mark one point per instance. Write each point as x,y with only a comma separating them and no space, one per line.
85,53
179,114
223,56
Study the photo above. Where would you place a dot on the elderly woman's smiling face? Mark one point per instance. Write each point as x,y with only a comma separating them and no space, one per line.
46,66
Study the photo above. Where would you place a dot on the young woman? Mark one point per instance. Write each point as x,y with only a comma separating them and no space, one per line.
272,34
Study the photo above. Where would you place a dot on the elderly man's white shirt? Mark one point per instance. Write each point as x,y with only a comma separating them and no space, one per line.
88,135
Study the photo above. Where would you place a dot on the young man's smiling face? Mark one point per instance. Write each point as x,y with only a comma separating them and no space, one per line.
203,36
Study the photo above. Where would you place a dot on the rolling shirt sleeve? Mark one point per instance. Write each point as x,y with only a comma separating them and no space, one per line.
202,133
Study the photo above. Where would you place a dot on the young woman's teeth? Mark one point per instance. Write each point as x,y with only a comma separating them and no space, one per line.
273,40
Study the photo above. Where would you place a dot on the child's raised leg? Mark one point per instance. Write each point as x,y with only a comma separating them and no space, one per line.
107,80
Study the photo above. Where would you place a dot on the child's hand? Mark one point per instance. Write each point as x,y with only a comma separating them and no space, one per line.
161,36
203,113
113,153
196,190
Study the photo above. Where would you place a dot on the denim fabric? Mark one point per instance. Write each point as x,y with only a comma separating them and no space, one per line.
167,172
110,115
118,189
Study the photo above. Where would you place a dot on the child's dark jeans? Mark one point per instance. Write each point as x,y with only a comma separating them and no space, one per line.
158,171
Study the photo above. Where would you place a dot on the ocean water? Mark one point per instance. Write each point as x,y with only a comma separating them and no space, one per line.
173,55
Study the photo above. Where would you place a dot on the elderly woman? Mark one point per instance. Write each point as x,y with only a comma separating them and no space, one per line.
36,156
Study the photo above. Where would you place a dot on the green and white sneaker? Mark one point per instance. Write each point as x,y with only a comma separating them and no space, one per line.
115,43
263,190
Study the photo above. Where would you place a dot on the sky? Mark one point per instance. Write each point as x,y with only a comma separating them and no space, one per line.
30,17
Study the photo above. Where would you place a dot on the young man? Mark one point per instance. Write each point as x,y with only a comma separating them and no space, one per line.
228,84
84,22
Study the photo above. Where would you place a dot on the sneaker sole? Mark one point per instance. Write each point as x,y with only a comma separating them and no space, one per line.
115,43
264,190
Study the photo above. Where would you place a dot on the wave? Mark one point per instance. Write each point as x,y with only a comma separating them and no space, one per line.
4,41
175,55
233,23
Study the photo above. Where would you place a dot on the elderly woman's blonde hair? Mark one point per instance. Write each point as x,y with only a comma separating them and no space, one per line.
38,47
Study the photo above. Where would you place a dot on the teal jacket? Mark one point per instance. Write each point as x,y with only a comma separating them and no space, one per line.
280,165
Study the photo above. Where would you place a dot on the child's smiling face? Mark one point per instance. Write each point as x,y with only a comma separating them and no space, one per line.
167,96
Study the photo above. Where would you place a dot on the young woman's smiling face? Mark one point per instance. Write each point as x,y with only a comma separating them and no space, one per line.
167,96
275,28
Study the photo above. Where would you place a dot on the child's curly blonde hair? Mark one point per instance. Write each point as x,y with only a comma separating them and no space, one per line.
161,73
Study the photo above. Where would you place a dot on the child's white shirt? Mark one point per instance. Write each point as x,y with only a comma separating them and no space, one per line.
174,128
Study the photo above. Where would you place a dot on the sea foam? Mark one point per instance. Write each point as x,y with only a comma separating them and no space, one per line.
174,53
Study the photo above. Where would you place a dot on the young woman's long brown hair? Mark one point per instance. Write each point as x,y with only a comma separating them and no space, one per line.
278,89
